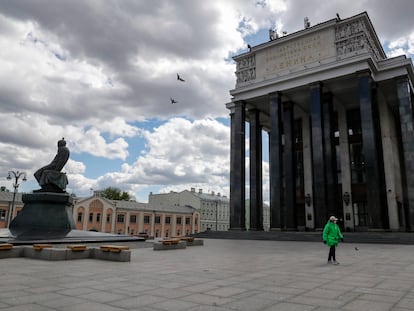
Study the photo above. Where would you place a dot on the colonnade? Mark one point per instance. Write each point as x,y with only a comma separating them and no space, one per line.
324,191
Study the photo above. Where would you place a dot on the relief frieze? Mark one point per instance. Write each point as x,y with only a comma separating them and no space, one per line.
354,37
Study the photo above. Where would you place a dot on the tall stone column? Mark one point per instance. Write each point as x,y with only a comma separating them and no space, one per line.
330,157
345,167
237,168
371,144
256,188
318,158
289,206
307,171
407,135
275,161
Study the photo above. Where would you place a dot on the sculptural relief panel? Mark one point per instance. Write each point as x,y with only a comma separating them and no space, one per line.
354,37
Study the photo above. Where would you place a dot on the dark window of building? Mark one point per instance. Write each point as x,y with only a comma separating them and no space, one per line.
179,221
108,218
146,219
79,217
157,219
98,217
2,214
166,234
167,219
187,220
133,219
90,217
121,218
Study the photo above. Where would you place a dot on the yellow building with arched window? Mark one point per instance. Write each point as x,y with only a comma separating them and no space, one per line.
96,213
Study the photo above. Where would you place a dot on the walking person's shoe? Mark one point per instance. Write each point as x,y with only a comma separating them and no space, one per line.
329,262
335,262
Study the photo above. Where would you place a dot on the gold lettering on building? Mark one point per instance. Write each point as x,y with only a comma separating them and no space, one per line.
296,53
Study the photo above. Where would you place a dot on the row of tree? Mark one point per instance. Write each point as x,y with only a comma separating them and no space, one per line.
114,193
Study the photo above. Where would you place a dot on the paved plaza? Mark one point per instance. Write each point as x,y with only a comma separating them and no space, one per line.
222,275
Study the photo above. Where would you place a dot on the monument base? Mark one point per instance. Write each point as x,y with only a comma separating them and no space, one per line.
45,215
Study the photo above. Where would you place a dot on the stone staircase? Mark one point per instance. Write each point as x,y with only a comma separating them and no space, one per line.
349,237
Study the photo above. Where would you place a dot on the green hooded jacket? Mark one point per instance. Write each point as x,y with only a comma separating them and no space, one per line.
332,234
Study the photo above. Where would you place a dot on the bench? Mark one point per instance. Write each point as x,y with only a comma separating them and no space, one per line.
6,246
114,248
170,242
39,247
187,238
76,248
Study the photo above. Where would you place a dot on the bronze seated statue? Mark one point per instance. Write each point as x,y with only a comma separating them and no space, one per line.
50,177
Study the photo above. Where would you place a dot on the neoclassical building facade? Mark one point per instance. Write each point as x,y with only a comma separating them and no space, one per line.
213,207
96,213
339,117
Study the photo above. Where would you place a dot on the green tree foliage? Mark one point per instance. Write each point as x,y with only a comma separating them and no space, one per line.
114,193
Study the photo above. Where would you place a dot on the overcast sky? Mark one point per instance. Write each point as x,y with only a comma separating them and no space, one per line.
101,74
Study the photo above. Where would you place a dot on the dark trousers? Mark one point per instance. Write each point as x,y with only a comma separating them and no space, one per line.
332,254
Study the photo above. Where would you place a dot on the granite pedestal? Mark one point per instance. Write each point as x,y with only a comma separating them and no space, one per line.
44,215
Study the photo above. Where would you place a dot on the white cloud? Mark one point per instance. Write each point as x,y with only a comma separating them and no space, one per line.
180,152
88,70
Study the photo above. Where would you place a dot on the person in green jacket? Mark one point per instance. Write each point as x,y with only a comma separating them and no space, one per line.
331,236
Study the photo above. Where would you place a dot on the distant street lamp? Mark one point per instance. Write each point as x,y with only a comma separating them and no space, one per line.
17,175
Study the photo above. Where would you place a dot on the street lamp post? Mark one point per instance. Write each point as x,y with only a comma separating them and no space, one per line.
16,175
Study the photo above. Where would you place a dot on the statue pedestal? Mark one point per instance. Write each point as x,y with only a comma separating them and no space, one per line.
44,215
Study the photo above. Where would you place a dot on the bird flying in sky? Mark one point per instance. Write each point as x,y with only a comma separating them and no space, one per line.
179,78
173,101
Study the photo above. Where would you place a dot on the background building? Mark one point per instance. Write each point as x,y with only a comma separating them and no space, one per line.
6,199
339,117
125,217
213,208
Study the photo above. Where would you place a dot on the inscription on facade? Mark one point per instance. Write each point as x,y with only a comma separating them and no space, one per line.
343,40
296,53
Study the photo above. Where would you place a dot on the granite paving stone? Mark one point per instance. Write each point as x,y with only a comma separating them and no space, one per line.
406,303
90,306
102,297
284,306
251,303
222,275
29,307
207,299
138,301
368,305
174,305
